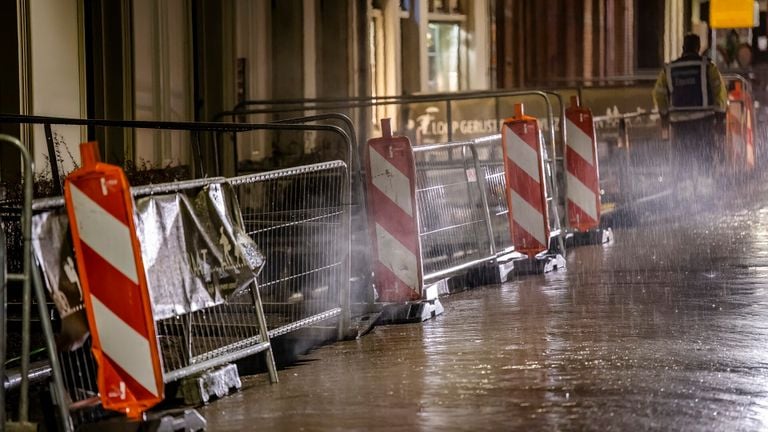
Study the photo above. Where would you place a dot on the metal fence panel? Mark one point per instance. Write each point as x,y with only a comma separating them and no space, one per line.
300,217
491,156
454,227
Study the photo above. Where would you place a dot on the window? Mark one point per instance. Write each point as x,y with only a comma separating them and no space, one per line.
447,49
443,45
162,78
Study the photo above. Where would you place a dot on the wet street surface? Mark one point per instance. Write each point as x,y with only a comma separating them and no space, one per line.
664,329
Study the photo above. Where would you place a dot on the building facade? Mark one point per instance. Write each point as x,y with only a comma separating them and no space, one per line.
189,60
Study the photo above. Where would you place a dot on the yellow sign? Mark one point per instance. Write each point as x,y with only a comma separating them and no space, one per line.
731,14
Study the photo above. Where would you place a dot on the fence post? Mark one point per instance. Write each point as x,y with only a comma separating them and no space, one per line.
2,322
118,305
393,217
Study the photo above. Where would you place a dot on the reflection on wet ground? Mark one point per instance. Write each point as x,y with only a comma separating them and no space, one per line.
666,328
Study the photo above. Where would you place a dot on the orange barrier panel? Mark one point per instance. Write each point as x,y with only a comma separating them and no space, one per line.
740,142
582,174
526,184
393,217
100,208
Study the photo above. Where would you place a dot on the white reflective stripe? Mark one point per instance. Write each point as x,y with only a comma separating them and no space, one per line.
528,218
705,96
582,196
683,115
105,234
688,63
580,142
397,258
522,154
125,346
391,182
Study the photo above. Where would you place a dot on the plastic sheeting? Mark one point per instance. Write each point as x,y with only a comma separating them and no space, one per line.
52,245
195,250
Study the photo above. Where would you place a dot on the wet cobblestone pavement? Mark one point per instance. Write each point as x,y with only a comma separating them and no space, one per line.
664,329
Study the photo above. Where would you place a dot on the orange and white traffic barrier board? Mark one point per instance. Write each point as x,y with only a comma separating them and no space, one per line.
582,176
393,218
526,186
100,209
741,145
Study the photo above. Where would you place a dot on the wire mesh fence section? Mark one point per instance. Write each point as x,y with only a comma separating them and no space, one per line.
215,334
300,219
491,156
452,217
79,374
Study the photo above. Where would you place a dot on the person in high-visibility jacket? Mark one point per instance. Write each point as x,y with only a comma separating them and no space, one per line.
691,97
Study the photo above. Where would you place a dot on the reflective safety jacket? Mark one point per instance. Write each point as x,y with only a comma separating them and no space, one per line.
690,88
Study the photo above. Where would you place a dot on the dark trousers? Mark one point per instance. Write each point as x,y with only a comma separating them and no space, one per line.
697,144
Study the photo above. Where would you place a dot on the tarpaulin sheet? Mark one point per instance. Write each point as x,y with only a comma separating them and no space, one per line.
52,245
195,250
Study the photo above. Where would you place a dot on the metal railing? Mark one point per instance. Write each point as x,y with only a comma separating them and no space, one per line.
455,228
448,100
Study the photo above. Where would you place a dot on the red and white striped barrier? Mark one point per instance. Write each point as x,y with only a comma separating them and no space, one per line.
393,217
582,178
117,300
741,145
524,167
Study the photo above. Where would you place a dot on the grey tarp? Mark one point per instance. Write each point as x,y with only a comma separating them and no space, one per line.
195,251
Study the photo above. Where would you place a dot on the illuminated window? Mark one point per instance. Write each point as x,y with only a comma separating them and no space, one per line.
443,56
446,46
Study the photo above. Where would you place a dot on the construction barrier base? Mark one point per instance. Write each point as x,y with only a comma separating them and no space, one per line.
539,265
591,237
213,383
494,273
365,317
408,313
187,420
415,312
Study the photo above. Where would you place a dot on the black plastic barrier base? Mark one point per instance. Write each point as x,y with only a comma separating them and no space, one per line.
415,312
539,265
494,273
588,238
167,421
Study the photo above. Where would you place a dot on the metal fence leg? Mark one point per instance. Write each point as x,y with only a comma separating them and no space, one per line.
268,356
60,398
2,325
